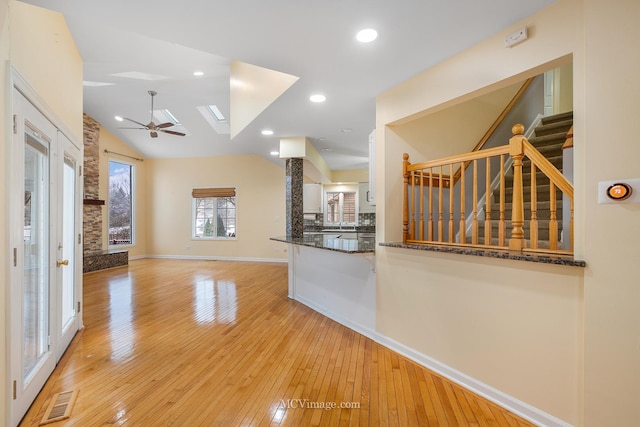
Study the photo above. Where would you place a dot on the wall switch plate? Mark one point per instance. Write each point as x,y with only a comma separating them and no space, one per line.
605,187
516,37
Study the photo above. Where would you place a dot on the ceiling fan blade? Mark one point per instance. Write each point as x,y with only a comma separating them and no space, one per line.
141,124
153,134
135,128
164,125
173,132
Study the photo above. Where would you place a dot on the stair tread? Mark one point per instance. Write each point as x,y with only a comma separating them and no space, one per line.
557,117
549,139
556,127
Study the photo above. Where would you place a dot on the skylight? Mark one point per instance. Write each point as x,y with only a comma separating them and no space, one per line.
217,113
215,118
164,116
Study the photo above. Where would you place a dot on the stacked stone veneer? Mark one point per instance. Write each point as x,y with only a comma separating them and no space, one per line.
92,214
294,182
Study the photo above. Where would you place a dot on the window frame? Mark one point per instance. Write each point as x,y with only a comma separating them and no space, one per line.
341,207
194,199
132,185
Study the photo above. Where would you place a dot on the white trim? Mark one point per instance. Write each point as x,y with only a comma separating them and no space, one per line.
20,83
132,257
498,397
216,258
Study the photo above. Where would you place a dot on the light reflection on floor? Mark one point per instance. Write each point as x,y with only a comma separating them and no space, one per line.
121,317
214,301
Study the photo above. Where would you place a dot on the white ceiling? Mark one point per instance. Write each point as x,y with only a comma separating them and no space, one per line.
311,39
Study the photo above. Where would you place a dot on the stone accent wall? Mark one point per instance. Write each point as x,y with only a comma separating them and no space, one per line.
92,214
294,183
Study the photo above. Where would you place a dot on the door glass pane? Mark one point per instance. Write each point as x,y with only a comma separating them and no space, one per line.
35,298
68,242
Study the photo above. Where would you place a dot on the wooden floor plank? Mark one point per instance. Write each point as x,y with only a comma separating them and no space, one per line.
177,342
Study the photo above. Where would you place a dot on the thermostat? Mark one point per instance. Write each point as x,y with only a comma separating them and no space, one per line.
619,191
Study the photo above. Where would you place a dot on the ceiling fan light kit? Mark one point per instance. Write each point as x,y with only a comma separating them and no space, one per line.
151,126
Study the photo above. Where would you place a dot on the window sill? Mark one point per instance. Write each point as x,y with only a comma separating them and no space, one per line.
493,253
213,239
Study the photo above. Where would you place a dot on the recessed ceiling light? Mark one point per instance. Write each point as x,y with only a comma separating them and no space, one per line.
326,149
267,132
274,153
345,130
118,118
317,98
367,35
198,73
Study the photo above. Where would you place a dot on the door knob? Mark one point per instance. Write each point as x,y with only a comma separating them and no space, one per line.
65,262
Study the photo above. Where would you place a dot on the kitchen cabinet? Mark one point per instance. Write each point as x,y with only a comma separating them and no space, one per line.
364,196
312,198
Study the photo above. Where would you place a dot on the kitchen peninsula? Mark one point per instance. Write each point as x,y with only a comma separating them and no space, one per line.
333,273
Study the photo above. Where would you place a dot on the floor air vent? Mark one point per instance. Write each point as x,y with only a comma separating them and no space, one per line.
60,407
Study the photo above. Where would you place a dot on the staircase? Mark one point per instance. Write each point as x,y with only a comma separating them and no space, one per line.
549,137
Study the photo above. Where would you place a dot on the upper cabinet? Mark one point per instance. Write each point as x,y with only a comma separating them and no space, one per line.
312,198
372,168
365,201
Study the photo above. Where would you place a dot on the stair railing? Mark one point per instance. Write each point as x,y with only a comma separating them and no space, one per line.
441,219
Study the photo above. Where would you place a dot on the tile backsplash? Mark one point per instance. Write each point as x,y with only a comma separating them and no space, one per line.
315,220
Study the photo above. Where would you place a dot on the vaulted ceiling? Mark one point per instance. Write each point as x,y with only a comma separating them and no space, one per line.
132,47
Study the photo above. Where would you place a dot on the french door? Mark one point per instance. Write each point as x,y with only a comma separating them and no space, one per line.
46,248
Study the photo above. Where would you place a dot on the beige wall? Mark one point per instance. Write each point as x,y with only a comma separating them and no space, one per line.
260,206
55,72
356,175
608,73
109,142
456,129
512,325
562,339
25,29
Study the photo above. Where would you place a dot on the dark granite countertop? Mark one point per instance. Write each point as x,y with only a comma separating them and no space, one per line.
494,253
332,242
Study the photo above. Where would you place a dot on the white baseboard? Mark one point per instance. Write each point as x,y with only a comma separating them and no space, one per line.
216,258
131,257
496,396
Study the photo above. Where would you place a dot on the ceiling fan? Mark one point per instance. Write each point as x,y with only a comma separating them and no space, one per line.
151,126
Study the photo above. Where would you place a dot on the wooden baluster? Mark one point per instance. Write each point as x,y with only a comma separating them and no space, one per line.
487,213
430,223
440,213
474,223
451,205
412,224
571,225
516,240
463,219
553,221
533,232
421,205
405,204
502,225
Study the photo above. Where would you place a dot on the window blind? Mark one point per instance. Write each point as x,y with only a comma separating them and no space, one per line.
199,193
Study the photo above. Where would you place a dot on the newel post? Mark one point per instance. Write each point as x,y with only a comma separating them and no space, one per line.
405,204
516,150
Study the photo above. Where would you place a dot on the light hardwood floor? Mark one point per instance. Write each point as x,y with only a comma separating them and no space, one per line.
216,343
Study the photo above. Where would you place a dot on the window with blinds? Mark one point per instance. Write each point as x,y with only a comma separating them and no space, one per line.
214,213
341,207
